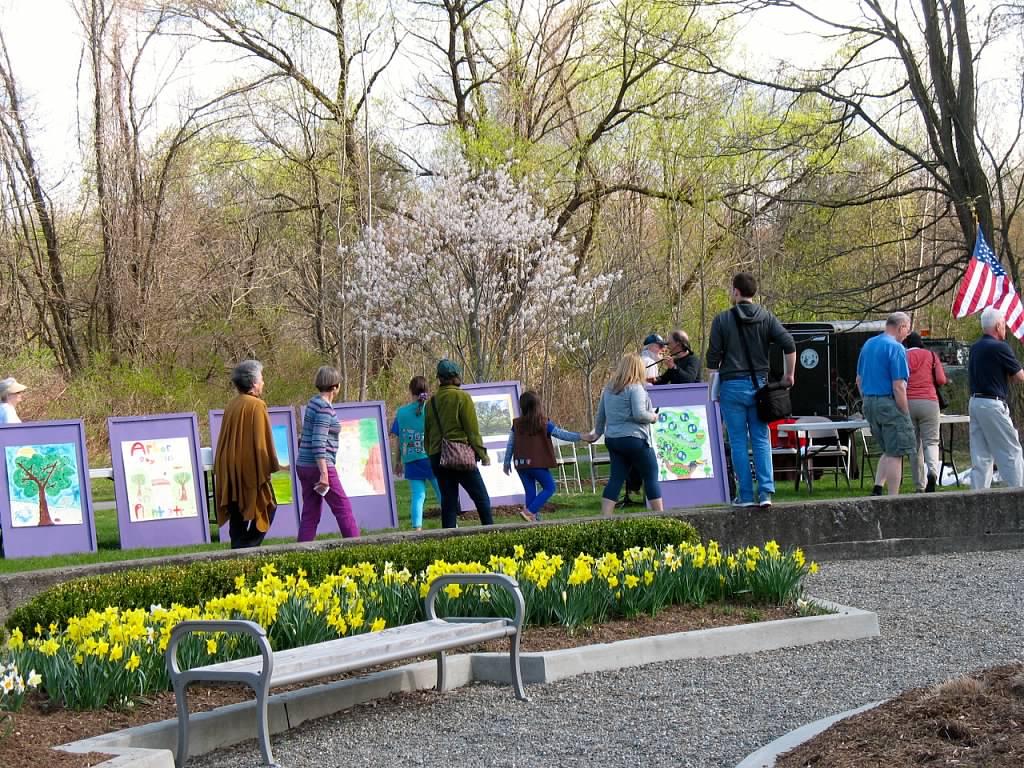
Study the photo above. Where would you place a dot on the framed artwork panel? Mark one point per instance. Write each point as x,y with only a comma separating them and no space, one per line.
159,486
689,445
45,494
286,482
364,467
496,404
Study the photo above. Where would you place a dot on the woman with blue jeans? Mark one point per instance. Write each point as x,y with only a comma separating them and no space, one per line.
624,417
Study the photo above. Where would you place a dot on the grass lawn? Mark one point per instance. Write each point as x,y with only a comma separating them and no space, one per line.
568,506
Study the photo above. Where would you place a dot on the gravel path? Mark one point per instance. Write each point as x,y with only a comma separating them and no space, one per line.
939,616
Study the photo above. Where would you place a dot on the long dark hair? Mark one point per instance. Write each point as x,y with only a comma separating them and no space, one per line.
418,389
532,413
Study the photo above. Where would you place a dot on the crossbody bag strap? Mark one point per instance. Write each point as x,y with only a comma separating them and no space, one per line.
433,407
746,349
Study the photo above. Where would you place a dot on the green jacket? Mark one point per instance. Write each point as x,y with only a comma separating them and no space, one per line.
457,415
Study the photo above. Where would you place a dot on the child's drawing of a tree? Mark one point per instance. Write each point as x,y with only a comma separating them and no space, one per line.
45,471
183,479
139,479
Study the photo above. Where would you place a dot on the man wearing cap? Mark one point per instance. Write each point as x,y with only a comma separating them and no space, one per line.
990,368
682,366
10,396
882,375
651,354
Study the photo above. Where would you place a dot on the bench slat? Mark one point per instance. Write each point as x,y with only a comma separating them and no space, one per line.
359,651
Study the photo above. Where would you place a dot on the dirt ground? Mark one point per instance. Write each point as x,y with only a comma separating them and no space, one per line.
975,721
39,725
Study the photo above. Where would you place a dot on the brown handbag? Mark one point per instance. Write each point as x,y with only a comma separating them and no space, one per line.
455,456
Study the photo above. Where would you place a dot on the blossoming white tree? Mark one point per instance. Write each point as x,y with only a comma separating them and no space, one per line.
470,266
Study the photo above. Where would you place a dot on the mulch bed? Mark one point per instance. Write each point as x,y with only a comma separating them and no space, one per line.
39,726
976,720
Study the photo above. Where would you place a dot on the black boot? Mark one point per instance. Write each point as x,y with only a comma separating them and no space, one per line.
878,491
930,487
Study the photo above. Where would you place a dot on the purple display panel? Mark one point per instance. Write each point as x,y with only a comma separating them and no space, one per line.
364,466
45,496
497,403
688,441
158,480
282,422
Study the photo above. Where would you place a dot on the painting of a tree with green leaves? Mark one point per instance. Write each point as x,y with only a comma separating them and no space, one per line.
44,485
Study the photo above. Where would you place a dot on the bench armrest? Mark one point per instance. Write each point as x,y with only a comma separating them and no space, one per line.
184,628
495,579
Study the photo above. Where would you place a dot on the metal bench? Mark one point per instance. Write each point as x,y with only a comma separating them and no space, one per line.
296,665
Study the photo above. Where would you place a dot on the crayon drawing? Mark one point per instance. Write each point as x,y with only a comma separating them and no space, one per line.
44,485
682,443
360,461
493,415
159,480
282,480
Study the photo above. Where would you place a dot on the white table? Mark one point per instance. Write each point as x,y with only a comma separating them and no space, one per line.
810,428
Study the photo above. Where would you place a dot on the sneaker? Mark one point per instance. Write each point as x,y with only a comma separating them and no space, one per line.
738,503
765,502
932,480
525,514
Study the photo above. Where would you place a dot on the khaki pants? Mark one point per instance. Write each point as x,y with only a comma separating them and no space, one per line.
993,437
925,415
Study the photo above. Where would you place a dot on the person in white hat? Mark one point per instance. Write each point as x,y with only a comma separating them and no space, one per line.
10,396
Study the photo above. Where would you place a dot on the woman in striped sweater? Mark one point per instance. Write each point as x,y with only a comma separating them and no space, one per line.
318,448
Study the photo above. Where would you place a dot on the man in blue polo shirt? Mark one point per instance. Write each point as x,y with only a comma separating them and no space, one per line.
993,437
882,374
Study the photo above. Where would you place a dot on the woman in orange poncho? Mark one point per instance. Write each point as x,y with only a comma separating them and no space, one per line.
245,461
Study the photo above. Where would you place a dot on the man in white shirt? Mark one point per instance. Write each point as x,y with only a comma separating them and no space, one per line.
651,354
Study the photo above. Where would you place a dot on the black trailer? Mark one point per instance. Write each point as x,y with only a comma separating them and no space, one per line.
826,365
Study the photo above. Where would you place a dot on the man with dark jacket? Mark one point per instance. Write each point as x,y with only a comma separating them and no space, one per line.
726,356
683,365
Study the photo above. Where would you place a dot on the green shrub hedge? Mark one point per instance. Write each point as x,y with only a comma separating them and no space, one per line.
199,581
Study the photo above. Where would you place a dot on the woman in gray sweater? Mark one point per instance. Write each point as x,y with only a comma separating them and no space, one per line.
624,417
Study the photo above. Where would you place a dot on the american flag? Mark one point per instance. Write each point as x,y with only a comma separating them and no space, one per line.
986,284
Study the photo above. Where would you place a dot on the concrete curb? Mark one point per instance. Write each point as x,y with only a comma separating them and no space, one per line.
765,757
232,724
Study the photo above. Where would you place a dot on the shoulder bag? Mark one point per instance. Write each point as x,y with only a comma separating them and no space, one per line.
939,393
455,456
772,400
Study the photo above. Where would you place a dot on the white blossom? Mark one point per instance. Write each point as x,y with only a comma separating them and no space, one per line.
469,265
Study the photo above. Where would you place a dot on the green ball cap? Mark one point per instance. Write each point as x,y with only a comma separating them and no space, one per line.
447,369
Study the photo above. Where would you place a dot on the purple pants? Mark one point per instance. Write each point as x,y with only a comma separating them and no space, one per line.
335,498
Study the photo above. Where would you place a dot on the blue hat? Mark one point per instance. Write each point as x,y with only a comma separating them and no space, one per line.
655,339
448,369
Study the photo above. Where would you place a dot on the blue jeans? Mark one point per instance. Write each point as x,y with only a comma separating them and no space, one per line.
419,495
532,478
631,452
736,399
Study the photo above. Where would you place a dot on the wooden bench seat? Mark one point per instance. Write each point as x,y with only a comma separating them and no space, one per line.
270,669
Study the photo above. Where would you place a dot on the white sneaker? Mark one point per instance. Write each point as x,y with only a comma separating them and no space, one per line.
765,502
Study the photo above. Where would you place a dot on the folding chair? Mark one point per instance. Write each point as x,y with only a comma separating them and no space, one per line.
824,444
598,453
867,456
565,456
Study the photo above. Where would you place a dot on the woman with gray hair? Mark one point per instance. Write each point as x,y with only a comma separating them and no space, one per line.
245,460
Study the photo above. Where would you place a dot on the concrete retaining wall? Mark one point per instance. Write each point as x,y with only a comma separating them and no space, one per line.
864,527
